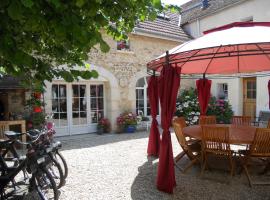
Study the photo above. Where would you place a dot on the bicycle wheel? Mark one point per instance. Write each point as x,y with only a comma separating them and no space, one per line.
45,185
61,160
57,173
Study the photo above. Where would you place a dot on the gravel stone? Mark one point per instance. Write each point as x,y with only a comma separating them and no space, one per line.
115,166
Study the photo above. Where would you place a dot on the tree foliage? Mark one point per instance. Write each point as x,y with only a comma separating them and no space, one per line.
39,37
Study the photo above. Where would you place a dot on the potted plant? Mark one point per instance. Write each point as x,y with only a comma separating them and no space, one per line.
127,122
103,126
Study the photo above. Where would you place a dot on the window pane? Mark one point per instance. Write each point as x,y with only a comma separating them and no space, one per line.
140,82
75,104
100,104
82,90
75,90
249,94
63,105
254,94
63,119
93,92
94,117
100,90
55,105
83,118
93,103
100,114
54,91
62,91
82,104
75,118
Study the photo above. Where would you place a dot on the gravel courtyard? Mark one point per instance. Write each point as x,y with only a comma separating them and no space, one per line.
115,166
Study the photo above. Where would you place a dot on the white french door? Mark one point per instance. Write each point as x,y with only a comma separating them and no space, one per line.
77,107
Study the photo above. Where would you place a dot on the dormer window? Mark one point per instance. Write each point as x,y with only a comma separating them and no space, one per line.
123,45
205,4
163,16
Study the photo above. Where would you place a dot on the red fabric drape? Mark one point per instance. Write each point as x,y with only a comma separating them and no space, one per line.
169,82
154,136
203,87
269,92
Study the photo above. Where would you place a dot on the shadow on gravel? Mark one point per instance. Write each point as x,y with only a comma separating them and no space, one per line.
93,139
213,185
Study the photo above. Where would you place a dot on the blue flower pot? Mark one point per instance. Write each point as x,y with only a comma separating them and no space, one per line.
130,129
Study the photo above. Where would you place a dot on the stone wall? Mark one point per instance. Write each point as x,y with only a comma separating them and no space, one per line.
129,66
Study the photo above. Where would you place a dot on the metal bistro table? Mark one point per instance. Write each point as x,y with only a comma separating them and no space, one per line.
237,134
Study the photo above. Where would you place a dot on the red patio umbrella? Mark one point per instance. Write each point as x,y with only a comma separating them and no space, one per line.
237,48
169,83
154,136
203,88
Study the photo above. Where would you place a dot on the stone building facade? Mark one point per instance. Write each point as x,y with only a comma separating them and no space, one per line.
79,105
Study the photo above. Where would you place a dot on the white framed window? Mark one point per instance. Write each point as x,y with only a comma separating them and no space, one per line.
96,102
123,45
222,91
142,101
59,104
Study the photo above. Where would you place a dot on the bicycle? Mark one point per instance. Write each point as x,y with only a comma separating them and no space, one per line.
35,163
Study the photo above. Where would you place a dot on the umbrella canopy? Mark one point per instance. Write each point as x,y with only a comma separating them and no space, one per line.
242,47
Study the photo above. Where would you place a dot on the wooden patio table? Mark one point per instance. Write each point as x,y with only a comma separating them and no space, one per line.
237,134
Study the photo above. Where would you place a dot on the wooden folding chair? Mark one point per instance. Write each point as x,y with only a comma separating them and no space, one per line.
215,140
260,148
181,121
203,120
190,148
241,120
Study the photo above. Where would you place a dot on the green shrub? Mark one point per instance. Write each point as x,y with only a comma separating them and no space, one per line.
187,106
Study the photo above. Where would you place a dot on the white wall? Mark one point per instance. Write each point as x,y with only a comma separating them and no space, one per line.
262,94
235,93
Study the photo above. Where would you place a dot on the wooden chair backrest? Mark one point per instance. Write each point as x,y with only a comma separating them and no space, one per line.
241,120
261,144
268,125
215,138
181,121
182,140
207,120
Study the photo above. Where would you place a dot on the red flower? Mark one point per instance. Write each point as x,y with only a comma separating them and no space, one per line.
37,95
37,109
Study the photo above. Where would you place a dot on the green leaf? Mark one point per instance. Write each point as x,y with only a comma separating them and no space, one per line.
94,74
66,75
87,65
86,74
104,46
27,3
157,4
15,10
80,3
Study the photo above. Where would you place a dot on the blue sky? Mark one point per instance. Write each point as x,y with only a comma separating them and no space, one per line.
174,2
